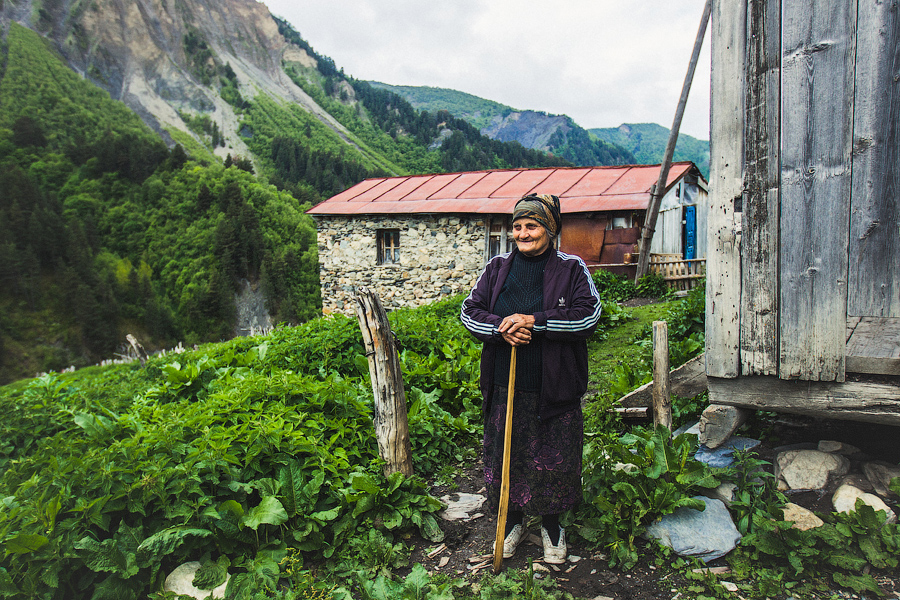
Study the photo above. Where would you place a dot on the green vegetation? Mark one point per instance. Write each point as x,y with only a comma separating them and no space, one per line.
476,111
571,142
647,141
257,457
103,231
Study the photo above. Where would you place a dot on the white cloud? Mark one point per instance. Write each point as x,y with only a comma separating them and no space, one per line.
602,62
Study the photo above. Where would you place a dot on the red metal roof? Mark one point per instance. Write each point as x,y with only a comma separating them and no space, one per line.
580,189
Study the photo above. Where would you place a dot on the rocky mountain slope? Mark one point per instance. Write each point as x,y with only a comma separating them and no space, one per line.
647,141
163,58
555,134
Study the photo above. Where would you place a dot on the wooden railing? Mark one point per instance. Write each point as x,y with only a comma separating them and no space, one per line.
679,273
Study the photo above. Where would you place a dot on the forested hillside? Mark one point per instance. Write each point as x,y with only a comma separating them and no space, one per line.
104,231
648,143
558,135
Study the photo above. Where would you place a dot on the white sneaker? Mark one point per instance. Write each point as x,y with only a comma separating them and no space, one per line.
513,539
555,555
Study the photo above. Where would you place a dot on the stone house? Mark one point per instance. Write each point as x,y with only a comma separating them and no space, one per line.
421,238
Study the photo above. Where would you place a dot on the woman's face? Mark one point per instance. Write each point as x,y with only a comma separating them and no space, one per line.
531,237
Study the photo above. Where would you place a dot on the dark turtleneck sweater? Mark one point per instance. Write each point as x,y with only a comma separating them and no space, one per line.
522,293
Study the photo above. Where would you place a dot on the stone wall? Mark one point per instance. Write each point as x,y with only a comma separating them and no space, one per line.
440,256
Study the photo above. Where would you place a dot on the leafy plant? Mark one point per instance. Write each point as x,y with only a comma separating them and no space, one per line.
633,480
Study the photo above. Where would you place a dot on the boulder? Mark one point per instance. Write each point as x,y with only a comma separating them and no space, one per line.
707,534
880,475
180,581
801,518
857,480
810,469
837,448
723,456
718,422
844,500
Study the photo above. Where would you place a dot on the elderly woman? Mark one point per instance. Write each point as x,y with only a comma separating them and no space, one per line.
543,302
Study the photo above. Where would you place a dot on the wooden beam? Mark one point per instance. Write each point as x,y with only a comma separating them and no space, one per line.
723,282
759,246
874,215
685,381
819,54
852,401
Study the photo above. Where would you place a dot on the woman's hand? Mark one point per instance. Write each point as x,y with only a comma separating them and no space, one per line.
516,329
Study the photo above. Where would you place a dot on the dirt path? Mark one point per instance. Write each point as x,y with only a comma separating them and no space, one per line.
468,545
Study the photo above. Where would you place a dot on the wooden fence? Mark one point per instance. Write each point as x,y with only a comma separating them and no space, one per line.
679,273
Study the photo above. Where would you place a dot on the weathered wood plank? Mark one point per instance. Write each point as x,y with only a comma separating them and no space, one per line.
391,419
686,381
852,401
875,337
817,90
873,345
726,188
875,215
759,247
662,399
852,322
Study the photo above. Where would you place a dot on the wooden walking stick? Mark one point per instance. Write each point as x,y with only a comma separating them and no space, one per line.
504,482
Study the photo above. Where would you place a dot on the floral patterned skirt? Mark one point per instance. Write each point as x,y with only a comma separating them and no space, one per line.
545,462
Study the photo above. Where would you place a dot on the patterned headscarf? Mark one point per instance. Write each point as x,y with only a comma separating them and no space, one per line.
543,208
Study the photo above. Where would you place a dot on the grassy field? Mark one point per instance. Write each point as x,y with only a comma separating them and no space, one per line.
619,347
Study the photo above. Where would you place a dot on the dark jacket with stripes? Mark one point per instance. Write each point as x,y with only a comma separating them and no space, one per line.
571,311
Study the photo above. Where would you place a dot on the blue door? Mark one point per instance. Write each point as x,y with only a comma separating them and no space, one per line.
690,232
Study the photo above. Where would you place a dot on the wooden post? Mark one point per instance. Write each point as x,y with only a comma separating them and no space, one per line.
659,189
391,424
662,401
138,349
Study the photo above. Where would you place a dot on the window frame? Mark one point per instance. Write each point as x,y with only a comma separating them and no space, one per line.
387,243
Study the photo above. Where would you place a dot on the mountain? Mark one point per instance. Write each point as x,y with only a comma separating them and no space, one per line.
554,134
647,141
156,160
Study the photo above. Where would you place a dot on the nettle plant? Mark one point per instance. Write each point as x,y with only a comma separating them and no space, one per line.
245,454
631,481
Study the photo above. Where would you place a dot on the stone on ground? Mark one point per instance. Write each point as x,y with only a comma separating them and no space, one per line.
880,475
458,508
801,518
723,456
837,447
810,469
718,422
180,581
844,500
707,535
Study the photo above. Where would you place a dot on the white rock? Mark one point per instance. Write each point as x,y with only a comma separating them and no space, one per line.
458,509
844,500
810,469
180,581
731,587
801,518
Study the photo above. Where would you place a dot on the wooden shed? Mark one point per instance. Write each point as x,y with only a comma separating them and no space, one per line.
803,292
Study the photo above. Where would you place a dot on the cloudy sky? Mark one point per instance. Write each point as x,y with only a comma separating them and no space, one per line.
602,62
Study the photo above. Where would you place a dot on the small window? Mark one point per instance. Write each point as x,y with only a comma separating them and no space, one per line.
499,240
388,246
